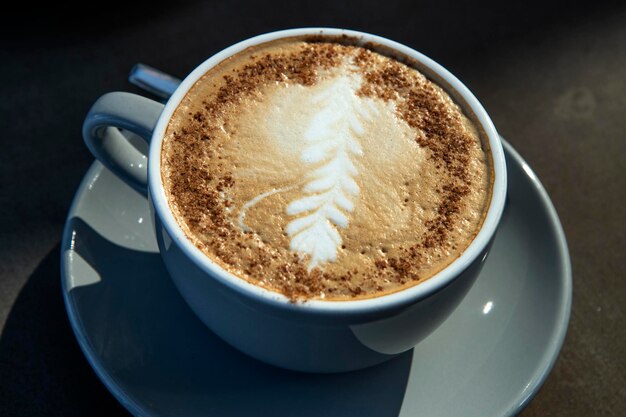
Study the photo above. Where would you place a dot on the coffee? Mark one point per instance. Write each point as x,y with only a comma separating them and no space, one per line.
319,168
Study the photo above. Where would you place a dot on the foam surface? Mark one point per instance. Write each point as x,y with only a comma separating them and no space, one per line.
323,170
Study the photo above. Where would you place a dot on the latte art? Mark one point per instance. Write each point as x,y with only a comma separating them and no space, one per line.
324,170
329,144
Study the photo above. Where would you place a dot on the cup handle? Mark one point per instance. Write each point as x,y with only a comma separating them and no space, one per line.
102,135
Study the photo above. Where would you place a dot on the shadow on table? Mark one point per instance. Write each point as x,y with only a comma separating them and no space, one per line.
42,370
149,343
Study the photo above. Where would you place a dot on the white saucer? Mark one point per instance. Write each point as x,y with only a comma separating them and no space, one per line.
158,359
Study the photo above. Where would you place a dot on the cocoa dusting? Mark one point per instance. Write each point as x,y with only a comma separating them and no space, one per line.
425,108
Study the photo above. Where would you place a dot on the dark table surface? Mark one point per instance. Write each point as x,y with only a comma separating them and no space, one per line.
552,76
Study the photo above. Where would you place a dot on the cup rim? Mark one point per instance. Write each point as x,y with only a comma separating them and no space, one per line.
317,306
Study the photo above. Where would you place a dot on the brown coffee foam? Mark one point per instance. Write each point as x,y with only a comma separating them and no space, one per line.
419,196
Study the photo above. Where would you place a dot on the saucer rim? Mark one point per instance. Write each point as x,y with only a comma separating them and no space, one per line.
516,405
563,316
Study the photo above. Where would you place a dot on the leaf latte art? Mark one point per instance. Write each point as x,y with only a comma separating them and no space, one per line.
320,169
330,140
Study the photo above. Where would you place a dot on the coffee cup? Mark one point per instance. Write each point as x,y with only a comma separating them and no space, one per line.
312,335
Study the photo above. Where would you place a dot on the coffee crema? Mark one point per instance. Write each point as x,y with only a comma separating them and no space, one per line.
321,169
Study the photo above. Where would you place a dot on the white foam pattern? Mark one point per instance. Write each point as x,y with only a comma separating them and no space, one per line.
331,139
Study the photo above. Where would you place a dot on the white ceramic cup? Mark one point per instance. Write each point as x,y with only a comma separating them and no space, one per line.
316,335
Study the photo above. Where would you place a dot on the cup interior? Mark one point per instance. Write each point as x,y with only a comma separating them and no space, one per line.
459,92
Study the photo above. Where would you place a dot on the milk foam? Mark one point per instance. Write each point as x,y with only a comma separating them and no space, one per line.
330,144
319,184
